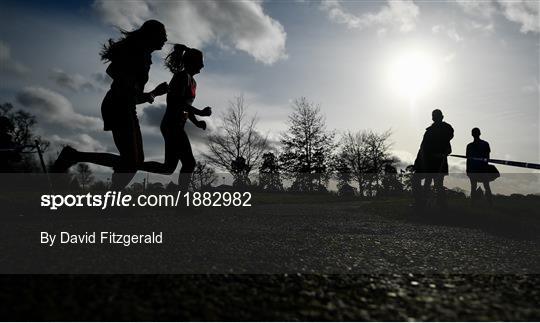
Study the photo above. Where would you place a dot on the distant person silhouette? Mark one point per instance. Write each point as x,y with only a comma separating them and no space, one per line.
431,163
130,60
184,63
478,168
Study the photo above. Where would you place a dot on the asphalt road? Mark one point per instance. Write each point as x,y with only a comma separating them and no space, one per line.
319,238
310,261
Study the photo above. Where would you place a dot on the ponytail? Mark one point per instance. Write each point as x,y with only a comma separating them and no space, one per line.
175,59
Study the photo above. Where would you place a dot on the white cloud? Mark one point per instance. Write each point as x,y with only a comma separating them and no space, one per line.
483,9
487,27
449,31
338,14
9,65
241,25
397,14
523,12
74,82
55,109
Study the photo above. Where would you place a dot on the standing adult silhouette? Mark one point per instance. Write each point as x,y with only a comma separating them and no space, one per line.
431,163
184,63
130,60
478,168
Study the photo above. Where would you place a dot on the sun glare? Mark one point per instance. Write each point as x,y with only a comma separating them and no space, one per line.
412,74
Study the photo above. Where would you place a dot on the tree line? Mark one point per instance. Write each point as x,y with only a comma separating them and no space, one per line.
307,158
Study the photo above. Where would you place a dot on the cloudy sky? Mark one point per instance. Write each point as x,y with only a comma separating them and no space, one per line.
369,64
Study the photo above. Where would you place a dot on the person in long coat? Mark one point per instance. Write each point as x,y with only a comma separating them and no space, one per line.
431,163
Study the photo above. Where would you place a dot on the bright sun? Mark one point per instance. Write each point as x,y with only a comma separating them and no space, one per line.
412,74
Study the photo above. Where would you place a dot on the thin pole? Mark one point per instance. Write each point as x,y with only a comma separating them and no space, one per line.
502,162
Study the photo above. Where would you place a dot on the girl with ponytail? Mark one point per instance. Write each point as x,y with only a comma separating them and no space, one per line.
184,63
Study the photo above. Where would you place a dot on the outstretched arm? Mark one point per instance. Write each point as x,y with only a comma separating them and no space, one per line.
206,112
198,123
148,97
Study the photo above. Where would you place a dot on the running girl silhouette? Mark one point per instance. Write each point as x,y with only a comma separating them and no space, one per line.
184,63
130,60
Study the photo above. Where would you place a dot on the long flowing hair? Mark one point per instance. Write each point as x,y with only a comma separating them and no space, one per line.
180,55
148,29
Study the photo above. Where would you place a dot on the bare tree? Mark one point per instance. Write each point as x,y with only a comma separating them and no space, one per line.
84,175
236,139
343,175
378,157
203,176
19,140
307,147
367,155
269,174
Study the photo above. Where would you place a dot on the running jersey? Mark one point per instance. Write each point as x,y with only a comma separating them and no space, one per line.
182,90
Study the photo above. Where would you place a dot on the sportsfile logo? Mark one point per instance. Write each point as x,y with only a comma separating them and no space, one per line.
119,199
109,199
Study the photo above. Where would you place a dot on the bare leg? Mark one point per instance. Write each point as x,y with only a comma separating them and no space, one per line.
129,144
70,156
177,147
188,162
171,157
